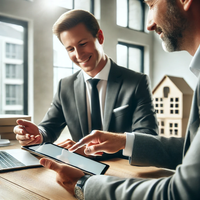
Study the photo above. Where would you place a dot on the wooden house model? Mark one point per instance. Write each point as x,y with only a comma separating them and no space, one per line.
172,102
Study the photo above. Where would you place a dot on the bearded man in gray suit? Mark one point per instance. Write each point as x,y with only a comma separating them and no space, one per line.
124,95
177,23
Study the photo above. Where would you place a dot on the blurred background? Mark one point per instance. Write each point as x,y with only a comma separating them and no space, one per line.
32,60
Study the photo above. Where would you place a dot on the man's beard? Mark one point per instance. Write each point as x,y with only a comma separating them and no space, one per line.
173,28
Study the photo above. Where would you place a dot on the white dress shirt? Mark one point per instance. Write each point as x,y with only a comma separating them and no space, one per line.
195,68
195,63
101,86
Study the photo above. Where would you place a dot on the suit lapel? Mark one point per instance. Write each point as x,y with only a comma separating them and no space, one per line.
113,86
80,100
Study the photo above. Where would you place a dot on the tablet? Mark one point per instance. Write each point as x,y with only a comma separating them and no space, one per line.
61,154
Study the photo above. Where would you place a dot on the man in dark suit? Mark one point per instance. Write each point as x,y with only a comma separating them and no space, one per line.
177,23
124,95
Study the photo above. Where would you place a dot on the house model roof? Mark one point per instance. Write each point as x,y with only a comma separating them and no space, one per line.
179,82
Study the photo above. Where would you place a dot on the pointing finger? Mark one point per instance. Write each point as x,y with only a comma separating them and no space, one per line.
93,137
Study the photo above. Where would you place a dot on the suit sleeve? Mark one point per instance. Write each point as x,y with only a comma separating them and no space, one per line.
144,117
53,122
183,185
157,151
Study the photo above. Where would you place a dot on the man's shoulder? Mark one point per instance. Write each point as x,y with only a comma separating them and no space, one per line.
72,77
126,74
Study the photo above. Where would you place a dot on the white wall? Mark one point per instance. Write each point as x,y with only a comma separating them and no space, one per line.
175,63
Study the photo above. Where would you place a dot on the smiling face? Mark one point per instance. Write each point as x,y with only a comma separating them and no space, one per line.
167,20
83,49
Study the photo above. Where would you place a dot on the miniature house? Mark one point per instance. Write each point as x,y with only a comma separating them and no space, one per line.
172,102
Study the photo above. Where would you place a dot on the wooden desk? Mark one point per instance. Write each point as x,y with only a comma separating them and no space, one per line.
40,183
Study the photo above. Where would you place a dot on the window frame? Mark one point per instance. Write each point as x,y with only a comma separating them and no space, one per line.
128,45
143,17
24,24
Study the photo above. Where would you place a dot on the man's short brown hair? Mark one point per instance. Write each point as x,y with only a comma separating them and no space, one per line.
74,17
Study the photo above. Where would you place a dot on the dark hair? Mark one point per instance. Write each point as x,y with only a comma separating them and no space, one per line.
74,17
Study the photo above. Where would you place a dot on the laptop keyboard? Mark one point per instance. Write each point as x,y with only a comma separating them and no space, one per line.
7,161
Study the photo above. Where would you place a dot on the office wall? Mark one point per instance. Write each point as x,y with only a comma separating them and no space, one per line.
41,18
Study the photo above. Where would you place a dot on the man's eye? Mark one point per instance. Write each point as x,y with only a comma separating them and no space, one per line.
70,50
83,44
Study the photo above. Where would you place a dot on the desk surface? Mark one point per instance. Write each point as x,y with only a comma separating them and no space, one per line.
40,183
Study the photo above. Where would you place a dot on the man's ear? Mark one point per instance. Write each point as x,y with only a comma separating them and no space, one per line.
100,36
186,4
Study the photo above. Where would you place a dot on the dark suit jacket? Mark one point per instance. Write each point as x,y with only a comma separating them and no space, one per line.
158,151
124,87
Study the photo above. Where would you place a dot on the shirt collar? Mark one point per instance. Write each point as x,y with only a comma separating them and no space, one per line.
103,74
195,63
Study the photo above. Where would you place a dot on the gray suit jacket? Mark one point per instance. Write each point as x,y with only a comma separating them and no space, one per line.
124,87
158,151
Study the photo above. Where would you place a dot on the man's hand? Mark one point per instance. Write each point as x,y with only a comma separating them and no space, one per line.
27,133
67,176
69,143
99,141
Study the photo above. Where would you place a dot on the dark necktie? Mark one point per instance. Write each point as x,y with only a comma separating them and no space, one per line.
95,106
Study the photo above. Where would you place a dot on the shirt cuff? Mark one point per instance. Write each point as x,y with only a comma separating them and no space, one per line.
127,151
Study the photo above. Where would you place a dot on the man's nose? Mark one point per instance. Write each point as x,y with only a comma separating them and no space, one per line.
78,54
151,25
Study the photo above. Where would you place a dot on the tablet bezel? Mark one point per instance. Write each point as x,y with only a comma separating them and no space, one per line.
27,148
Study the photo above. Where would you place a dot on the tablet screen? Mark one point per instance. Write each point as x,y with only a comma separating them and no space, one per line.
61,154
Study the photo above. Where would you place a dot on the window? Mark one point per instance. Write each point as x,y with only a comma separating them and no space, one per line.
130,14
13,66
159,104
13,71
14,51
63,66
13,94
130,56
174,106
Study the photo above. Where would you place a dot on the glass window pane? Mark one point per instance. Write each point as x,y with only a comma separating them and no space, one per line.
135,14
122,55
13,94
135,58
61,57
59,73
11,68
82,4
122,13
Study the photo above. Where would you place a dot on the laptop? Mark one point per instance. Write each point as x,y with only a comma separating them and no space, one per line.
14,159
